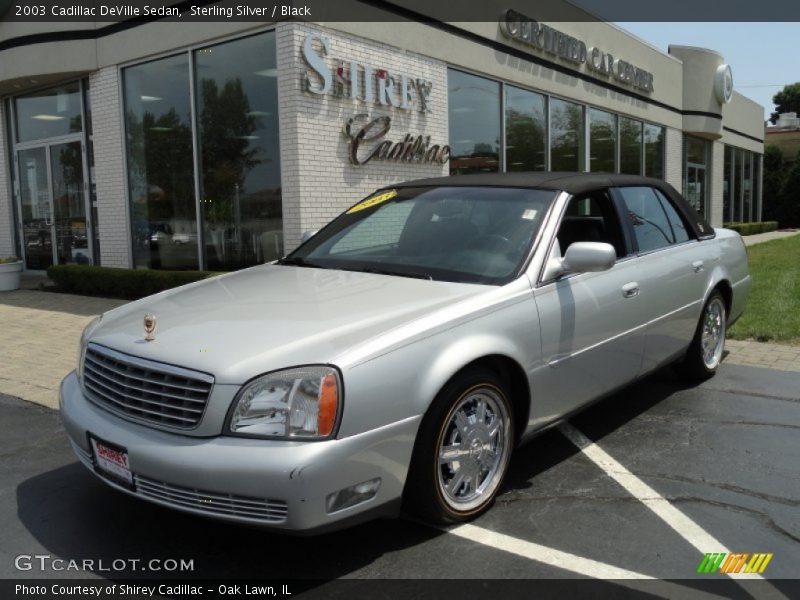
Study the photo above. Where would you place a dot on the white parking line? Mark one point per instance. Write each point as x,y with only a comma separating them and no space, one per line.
543,554
573,563
682,524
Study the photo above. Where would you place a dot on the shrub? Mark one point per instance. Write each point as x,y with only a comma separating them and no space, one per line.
4,260
752,228
128,284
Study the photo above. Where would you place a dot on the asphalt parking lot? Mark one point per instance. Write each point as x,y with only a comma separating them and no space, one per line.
666,469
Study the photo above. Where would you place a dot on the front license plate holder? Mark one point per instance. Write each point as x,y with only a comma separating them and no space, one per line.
111,462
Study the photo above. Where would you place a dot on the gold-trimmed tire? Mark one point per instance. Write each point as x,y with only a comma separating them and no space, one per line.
462,450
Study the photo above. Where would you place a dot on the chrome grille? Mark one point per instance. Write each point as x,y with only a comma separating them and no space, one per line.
145,390
260,509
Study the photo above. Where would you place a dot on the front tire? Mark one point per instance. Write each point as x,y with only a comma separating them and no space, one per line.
462,450
705,352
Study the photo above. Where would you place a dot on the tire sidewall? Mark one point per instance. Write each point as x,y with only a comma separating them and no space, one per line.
423,494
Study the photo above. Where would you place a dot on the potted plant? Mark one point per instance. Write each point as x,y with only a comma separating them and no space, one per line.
10,269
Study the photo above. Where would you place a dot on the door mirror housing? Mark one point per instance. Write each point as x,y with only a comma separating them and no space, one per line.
589,257
307,235
582,257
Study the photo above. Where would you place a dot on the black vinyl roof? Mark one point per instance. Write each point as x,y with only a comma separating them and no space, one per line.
572,183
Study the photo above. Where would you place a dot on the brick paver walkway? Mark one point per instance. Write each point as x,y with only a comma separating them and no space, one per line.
758,354
40,332
751,240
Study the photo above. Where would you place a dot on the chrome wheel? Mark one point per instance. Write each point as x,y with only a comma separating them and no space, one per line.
712,337
474,448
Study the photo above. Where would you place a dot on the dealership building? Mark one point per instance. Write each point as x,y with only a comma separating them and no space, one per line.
215,145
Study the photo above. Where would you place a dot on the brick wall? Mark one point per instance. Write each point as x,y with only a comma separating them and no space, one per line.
6,198
112,203
317,177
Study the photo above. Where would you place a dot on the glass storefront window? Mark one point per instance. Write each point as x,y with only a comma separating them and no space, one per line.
160,164
756,187
726,185
566,136
654,151
49,113
237,113
747,187
474,114
737,184
526,130
602,141
630,146
696,159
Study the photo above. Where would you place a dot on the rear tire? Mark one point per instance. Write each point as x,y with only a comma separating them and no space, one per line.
462,450
705,353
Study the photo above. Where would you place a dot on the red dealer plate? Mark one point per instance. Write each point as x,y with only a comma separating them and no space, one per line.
111,462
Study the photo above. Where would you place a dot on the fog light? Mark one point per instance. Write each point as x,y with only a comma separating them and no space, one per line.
355,494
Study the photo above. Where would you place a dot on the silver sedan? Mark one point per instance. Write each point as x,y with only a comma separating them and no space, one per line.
399,355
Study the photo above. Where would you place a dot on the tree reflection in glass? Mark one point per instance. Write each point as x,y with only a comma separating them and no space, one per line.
566,136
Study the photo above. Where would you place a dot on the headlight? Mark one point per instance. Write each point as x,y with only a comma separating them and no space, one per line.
300,403
87,331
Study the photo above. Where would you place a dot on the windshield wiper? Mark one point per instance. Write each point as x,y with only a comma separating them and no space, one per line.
412,274
296,261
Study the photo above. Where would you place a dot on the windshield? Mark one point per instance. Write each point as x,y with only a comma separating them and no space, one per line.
464,234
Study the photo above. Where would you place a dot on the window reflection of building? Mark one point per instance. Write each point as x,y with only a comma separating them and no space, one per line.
602,141
566,136
741,193
474,117
238,158
696,153
616,143
239,152
160,174
526,130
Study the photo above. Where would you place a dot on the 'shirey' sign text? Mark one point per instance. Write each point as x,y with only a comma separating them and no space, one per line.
372,85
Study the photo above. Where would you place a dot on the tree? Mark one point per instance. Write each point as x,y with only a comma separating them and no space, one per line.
774,172
790,196
787,100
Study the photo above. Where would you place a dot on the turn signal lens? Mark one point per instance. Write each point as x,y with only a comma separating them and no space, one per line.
328,403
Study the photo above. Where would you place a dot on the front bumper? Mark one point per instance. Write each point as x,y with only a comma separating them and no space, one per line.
277,484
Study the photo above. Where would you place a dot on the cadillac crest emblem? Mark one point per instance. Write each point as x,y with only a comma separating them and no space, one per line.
149,327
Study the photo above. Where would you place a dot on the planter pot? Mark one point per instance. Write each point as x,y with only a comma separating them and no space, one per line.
9,276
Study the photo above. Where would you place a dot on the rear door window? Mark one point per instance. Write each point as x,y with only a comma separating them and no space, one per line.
678,226
651,227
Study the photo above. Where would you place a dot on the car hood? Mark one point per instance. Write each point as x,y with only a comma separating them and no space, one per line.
270,317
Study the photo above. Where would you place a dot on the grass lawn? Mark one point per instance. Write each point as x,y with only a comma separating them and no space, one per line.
772,312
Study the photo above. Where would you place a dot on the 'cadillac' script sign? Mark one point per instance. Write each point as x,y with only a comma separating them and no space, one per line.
381,87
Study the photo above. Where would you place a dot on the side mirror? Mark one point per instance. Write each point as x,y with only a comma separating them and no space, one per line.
307,235
582,257
588,257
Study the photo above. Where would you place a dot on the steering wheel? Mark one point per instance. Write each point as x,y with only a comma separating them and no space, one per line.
496,240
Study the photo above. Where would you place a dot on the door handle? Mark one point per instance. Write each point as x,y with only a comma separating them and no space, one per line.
630,290
697,266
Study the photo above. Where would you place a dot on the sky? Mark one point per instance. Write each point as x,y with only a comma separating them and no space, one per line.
762,56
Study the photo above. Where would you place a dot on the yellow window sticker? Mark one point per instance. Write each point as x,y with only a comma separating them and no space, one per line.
373,201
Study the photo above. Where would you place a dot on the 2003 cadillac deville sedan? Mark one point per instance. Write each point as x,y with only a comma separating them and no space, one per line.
401,353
